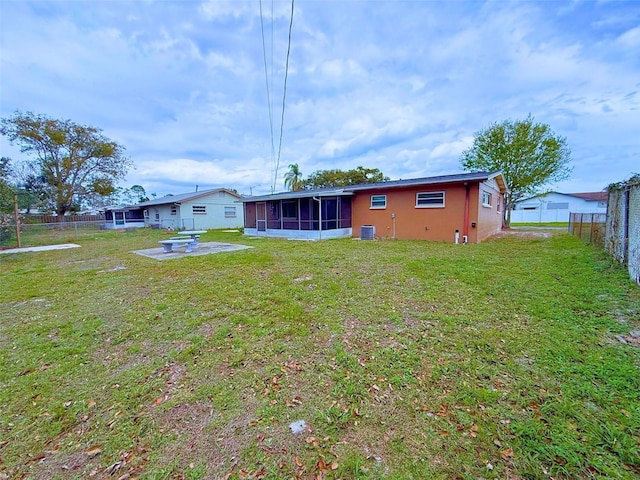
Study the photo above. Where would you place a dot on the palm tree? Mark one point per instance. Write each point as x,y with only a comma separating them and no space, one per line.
293,178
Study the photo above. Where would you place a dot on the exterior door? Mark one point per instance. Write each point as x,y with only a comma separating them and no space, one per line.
261,218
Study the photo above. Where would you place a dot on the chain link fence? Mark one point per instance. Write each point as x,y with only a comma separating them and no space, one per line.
38,233
623,225
590,227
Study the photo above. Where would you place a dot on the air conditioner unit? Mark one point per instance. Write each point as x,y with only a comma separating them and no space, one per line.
367,232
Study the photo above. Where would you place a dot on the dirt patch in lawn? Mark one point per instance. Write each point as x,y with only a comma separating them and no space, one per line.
524,234
199,438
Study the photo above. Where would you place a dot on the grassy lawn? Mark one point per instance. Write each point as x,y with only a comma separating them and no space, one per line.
541,224
405,360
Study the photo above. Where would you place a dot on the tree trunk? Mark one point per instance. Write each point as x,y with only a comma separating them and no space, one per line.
506,217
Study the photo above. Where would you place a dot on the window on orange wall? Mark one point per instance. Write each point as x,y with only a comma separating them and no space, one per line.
378,201
430,200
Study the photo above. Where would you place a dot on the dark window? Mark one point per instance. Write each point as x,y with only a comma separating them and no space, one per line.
430,199
290,209
558,206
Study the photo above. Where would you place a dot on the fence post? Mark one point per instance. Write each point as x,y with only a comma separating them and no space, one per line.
580,227
17,217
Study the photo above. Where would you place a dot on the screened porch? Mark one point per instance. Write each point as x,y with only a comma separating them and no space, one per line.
313,217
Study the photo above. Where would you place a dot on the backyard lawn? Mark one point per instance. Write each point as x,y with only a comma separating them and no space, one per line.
509,359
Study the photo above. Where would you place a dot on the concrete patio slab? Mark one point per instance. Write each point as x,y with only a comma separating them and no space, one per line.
205,248
43,248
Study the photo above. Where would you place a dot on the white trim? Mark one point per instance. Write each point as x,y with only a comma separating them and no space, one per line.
482,196
301,234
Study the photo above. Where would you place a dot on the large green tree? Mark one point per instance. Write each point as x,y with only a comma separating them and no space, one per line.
293,178
528,154
71,160
341,178
6,190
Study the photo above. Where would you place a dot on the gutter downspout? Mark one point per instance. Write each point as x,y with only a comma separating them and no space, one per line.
465,225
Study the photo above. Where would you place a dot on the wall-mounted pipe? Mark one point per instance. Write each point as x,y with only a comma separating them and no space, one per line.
393,220
465,224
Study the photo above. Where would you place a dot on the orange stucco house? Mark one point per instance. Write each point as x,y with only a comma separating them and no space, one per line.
452,208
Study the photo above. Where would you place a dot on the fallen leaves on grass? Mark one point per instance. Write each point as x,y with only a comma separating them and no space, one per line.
93,451
506,454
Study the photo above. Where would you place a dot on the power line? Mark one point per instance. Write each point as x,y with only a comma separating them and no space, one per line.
284,96
266,78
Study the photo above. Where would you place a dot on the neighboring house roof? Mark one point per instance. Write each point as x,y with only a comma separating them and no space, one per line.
173,199
588,196
412,182
184,197
592,196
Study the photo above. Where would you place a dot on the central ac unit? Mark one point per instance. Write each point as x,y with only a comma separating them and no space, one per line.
367,232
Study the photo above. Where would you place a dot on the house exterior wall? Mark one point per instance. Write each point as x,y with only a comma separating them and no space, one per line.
553,207
216,207
215,213
161,215
489,218
430,223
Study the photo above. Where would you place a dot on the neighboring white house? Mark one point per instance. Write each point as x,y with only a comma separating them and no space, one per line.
206,209
556,207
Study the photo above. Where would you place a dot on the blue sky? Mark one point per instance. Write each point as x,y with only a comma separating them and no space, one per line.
399,86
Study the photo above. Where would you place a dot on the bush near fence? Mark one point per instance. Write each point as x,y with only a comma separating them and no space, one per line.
7,228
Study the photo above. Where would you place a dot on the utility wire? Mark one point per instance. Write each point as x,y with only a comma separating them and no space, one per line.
284,96
266,78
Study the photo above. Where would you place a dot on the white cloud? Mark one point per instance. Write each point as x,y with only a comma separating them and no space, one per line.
401,87
630,38
451,149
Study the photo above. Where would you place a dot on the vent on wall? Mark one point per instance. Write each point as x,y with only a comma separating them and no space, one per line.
367,232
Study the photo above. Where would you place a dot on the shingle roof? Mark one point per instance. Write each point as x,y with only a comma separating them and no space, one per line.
588,196
183,197
410,182
593,196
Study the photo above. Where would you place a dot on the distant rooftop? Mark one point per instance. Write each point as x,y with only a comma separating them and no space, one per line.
350,189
